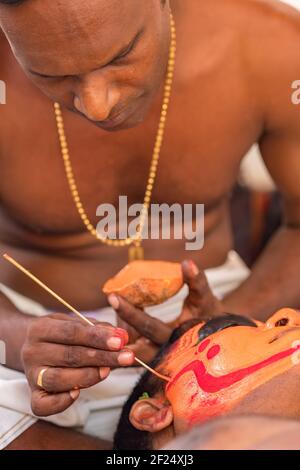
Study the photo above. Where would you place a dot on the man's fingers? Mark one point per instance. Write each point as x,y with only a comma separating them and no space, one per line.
200,299
57,380
100,336
144,349
196,281
147,326
73,317
45,404
133,335
58,355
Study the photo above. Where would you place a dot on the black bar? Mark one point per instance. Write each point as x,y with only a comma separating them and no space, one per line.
84,460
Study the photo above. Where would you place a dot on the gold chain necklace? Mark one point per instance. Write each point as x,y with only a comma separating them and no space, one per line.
135,251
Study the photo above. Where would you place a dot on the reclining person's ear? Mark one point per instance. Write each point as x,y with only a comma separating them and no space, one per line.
150,414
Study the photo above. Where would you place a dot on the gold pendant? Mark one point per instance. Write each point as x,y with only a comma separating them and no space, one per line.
135,252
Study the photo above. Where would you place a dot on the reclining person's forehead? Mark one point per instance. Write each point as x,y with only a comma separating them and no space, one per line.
194,332
190,333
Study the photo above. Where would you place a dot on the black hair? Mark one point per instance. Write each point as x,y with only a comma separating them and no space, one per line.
11,2
16,2
127,437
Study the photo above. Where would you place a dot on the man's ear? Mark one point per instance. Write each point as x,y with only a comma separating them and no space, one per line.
150,414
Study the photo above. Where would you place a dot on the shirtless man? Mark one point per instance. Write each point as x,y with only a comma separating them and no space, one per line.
236,62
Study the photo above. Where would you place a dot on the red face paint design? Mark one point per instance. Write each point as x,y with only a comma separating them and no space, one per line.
210,384
210,378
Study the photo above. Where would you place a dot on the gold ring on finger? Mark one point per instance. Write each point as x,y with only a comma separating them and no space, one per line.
40,377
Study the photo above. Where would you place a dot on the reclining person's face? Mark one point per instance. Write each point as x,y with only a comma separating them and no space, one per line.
214,368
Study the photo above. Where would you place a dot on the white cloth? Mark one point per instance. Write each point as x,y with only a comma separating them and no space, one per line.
292,3
98,409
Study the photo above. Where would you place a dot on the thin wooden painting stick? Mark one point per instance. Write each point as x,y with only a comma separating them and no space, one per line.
160,376
50,291
66,304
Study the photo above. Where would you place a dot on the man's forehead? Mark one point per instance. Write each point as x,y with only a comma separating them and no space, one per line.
66,7
69,16
77,29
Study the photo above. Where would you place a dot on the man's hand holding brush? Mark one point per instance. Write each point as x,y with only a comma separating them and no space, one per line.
66,355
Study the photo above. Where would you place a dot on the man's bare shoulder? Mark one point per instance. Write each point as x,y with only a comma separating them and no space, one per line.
262,29
271,30
274,19
266,10
269,43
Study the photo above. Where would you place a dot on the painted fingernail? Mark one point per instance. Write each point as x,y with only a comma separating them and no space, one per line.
74,394
126,358
194,268
104,372
114,301
123,334
115,342
190,267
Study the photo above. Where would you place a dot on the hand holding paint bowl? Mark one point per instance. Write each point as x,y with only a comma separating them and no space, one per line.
145,283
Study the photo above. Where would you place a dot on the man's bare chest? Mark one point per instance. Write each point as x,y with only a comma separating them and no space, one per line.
207,133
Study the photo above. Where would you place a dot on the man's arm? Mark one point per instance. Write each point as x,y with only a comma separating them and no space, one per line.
275,279
45,436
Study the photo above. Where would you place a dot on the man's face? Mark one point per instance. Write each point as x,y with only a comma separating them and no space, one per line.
105,59
210,377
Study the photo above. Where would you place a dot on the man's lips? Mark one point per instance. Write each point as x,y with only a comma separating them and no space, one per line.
116,120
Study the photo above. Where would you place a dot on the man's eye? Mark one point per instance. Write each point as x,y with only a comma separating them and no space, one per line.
223,322
124,54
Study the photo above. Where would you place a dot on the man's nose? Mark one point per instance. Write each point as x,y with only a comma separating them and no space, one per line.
95,98
285,317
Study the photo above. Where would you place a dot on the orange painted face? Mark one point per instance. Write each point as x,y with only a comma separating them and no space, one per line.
210,376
